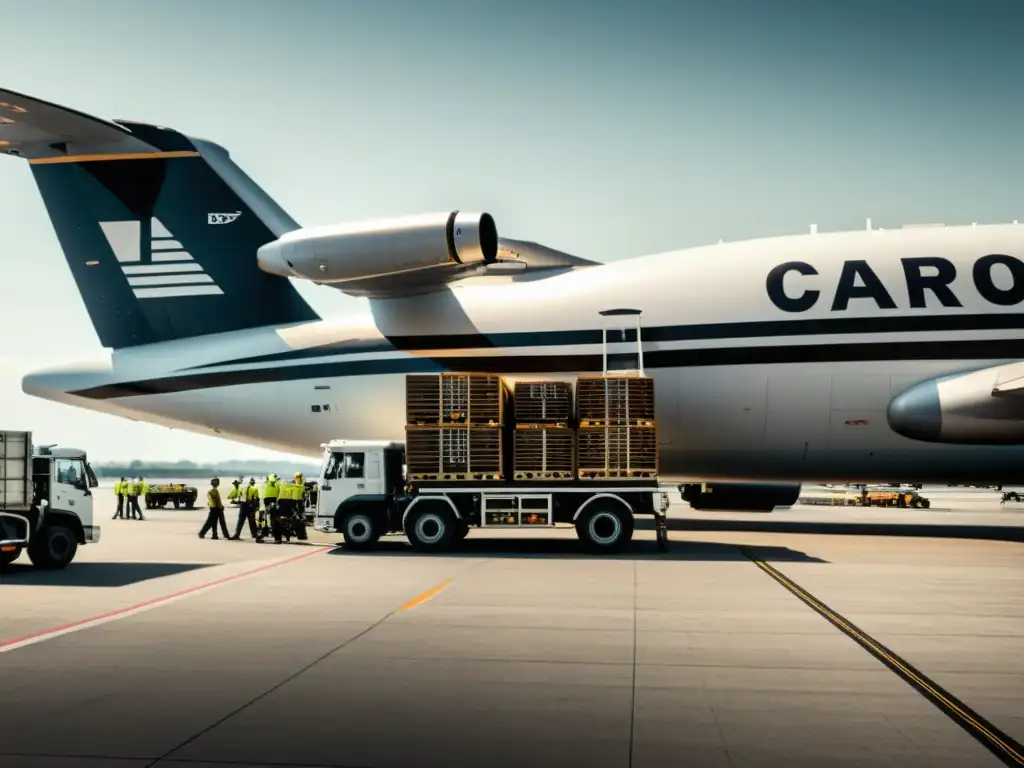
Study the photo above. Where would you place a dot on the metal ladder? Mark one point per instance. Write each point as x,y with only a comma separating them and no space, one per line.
612,313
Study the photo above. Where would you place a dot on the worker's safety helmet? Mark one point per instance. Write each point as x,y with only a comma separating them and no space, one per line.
252,480
236,482
298,475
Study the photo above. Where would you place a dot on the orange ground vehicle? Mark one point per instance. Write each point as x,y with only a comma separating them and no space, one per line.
902,499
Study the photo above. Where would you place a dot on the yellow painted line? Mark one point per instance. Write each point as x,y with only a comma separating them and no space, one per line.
1002,745
420,599
112,157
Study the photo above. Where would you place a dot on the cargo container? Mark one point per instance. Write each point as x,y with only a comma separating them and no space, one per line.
544,452
622,452
615,401
454,453
490,461
548,403
455,398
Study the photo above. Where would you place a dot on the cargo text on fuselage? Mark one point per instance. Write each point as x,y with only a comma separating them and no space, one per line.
922,276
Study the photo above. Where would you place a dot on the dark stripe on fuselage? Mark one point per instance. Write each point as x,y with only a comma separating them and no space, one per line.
753,330
1002,349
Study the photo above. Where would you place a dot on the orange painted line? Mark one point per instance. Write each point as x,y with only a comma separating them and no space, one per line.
112,157
419,600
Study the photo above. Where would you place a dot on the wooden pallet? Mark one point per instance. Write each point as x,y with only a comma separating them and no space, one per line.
543,402
609,474
542,450
620,450
615,400
527,475
441,453
455,398
454,476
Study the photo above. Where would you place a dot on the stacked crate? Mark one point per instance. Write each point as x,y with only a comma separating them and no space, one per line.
617,438
544,446
454,426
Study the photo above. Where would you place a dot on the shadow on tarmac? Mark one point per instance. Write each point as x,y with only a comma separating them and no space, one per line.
97,575
916,530
558,549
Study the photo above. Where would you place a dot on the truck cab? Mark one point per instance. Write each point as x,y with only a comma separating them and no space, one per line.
358,475
62,517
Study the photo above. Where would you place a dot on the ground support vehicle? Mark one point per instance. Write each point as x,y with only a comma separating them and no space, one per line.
902,499
176,494
364,506
484,452
46,502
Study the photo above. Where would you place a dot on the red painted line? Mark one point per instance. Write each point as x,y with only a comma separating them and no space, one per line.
36,637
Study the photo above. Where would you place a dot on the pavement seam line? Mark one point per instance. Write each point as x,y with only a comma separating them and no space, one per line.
121,613
323,657
1003,746
632,708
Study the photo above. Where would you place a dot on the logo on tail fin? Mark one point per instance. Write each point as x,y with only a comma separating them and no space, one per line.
222,218
157,267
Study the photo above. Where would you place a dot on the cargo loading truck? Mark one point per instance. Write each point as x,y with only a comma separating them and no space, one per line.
483,452
46,502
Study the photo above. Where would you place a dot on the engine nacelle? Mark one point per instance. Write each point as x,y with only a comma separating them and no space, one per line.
983,407
754,497
343,252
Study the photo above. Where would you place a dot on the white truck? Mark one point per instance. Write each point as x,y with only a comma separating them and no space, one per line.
364,495
46,502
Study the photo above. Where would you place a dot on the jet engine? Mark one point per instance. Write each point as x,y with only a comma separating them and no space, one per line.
753,497
340,253
984,407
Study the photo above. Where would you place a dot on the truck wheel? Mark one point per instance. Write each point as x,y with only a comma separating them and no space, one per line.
605,527
6,558
53,548
360,531
925,503
431,528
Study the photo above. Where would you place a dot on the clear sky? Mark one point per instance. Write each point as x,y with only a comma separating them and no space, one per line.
607,129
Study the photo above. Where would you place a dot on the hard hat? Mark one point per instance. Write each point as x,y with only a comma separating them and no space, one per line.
252,479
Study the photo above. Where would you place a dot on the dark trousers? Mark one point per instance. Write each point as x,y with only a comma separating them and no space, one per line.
214,518
246,513
133,512
120,507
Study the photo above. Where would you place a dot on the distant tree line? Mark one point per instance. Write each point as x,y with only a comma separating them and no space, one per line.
189,469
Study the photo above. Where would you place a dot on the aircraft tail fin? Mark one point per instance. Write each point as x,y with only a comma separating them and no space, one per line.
160,230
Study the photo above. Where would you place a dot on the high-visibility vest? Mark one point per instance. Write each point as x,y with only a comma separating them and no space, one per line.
118,489
234,493
145,487
271,490
213,498
252,493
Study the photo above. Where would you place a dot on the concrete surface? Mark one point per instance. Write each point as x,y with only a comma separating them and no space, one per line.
516,651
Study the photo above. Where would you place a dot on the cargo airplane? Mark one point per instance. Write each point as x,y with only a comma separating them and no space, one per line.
868,356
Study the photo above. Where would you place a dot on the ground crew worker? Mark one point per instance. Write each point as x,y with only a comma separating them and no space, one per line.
235,494
119,492
145,489
249,501
297,494
215,516
271,494
134,489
